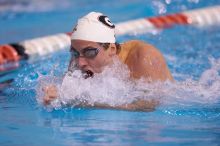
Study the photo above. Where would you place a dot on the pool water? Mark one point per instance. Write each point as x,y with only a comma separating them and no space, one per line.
189,112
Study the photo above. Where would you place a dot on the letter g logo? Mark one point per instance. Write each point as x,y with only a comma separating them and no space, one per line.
105,20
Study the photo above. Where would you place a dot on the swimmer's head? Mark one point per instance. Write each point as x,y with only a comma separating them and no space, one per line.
94,27
93,43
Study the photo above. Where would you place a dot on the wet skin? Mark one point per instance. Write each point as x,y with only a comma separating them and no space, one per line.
143,60
94,65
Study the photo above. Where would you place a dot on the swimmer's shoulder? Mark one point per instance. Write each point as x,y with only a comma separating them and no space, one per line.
138,47
137,44
144,60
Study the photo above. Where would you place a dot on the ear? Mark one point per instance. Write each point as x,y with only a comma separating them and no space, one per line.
112,50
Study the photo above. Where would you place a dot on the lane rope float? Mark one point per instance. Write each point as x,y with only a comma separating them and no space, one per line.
204,17
8,54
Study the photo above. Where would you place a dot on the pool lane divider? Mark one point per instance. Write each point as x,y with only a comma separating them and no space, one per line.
14,52
201,18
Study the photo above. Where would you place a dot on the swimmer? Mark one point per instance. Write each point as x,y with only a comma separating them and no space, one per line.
93,47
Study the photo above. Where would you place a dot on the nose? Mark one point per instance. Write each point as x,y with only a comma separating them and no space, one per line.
81,62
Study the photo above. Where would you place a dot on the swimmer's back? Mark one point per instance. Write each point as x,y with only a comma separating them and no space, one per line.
144,60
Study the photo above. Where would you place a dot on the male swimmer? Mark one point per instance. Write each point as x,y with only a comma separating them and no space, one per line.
93,47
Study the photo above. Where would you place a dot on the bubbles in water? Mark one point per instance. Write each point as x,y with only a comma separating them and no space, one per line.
168,1
210,76
160,6
189,92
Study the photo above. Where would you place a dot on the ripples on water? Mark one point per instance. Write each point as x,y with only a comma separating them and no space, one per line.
189,108
185,57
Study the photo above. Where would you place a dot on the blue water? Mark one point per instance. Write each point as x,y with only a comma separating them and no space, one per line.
190,109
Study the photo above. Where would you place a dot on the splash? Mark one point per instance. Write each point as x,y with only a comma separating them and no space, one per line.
114,87
160,6
191,92
111,86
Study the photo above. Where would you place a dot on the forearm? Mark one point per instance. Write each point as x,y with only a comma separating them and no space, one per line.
51,94
139,105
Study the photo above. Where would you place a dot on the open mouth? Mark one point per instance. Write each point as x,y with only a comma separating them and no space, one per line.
88,74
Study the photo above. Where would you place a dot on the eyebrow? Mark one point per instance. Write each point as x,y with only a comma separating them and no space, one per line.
72,48
88,47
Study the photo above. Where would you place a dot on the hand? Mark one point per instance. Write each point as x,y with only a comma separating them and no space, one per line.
50,94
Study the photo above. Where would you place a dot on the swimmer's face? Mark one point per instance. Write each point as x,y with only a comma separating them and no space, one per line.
90,56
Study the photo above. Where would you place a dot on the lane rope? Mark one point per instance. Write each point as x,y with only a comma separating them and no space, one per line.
204,17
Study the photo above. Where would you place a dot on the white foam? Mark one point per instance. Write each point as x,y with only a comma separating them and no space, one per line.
114,87
111,86
189,92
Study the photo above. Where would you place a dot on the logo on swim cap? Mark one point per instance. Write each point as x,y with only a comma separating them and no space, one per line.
105,20
75,28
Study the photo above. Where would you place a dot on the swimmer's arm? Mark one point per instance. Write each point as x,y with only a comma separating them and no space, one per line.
149,63
51,93
138,105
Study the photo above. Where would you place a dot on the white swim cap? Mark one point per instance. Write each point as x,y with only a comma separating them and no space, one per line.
94,27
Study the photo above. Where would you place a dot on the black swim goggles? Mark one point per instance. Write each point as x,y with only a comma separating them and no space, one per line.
88,52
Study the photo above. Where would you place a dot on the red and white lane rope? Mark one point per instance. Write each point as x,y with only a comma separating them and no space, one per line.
41,46
200,18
